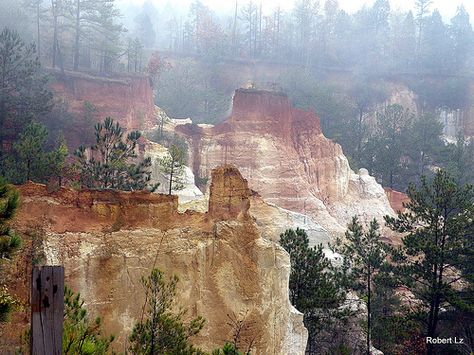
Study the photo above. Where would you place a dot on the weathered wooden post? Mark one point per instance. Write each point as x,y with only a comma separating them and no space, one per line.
47,307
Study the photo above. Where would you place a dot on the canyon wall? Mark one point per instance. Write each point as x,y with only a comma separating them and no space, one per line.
108,240
126,98
286,158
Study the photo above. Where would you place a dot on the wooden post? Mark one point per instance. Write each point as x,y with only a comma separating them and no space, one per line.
47,307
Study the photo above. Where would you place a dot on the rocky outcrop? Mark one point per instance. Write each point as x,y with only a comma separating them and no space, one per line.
108,240
397,199
127,98
229,196
283,154
273,220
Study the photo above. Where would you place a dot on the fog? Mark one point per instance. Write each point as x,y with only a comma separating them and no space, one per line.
332,110
344,60
446,8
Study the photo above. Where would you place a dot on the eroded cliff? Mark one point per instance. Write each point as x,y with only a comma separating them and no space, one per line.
128,99
286,158
108,240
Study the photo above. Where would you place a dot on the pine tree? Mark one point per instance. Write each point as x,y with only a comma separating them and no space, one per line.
57,160
436,51
437,229
163,331
459,160
81,335
93,19
37,7
134,55
463,37
30,159
365,97
365,254
144,30
23,91
424,144
173,167
422,11
9,241
392,126
315,287
109,164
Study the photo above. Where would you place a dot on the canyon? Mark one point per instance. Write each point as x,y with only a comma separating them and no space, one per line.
269,168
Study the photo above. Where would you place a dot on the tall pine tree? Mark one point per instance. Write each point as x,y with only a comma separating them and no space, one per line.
437,229
23,91
315,289
364,252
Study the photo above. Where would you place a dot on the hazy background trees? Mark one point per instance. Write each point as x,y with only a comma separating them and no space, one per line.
310,42
313,34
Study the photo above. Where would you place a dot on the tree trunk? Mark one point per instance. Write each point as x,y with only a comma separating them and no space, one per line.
434,308
38,28
368,311
55,31
171,178
234,29
435,305
77,34
61,62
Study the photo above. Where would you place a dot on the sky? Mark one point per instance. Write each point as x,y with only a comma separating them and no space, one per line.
447,8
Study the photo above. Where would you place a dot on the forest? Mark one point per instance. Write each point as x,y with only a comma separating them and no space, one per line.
350,68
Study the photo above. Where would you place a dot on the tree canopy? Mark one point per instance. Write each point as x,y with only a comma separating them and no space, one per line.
112,162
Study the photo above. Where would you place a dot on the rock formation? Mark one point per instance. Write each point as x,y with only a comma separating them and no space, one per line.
397,199
108,240
283,153
127,99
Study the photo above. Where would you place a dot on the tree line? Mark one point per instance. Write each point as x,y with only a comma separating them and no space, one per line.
375,39
76,34
90,35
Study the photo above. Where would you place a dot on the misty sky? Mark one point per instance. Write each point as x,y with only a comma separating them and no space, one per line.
446,7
